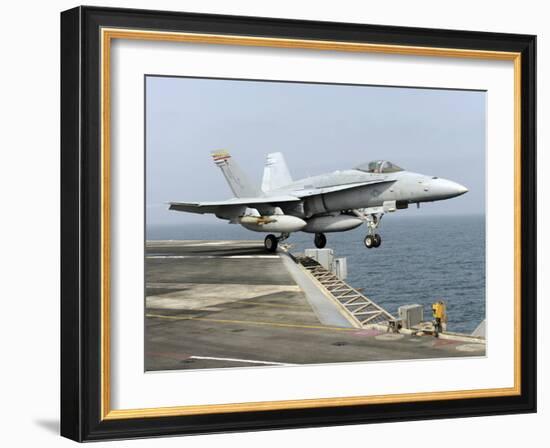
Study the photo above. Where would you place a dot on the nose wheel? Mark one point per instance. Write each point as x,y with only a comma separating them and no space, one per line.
320,240
373,241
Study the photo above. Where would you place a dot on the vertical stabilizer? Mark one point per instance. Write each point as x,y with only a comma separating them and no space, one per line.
237,180
276,174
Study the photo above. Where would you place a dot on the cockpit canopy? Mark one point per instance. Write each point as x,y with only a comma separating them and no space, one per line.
379,166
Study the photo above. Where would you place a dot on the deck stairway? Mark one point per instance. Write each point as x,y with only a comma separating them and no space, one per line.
361,310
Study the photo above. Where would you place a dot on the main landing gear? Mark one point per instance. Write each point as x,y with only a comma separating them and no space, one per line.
271,241
320,240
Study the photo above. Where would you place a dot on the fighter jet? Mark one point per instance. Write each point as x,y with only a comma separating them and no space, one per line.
331,202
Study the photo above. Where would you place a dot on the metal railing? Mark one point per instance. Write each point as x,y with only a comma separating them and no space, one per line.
359,307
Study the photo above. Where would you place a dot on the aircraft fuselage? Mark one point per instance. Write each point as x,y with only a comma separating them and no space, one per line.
403,187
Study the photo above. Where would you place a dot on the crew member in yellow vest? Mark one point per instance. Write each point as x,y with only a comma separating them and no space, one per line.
439,311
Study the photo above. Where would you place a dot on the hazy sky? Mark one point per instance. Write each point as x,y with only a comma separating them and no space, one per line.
319,128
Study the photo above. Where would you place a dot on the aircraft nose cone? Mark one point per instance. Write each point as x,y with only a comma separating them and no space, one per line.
461,189
449,189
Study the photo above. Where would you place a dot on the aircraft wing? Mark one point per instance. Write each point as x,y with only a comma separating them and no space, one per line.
323,190
235,203
222,207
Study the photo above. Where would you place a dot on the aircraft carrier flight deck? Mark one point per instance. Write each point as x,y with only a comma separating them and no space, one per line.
213,304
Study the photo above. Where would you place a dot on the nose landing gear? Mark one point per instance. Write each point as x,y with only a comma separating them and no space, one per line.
373,241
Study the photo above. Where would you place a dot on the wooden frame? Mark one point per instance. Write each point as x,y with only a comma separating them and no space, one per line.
86,34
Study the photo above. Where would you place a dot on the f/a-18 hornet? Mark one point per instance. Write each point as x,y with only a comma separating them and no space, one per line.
332,202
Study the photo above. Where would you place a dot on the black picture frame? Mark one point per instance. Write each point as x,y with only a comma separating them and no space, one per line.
81,209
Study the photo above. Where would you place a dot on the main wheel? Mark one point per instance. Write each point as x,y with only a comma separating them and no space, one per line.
369,241
377,240
320,240
270,243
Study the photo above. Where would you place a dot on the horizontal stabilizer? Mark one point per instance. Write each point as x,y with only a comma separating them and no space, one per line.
216,206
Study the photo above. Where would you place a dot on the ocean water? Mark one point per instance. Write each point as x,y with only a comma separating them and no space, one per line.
422,259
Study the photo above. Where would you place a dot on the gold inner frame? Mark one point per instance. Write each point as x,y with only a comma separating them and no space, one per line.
107,35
